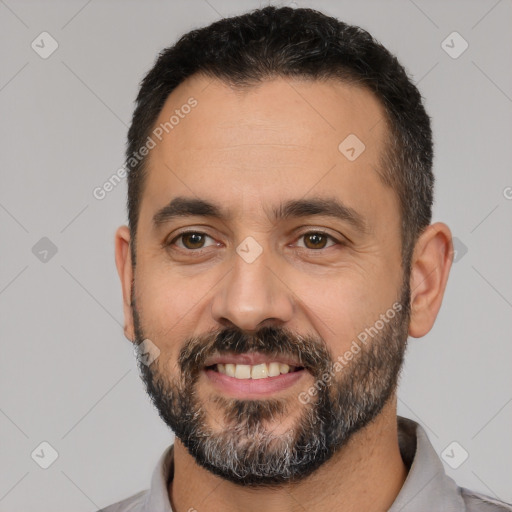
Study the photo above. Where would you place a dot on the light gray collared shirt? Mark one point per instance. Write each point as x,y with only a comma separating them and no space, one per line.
427,487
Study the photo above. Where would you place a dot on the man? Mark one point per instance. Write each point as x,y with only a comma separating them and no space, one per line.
279,253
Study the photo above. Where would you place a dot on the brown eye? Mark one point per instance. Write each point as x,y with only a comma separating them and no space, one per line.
191,240
315,240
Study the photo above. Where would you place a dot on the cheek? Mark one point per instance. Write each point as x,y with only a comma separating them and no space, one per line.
168,309
334,309
343,309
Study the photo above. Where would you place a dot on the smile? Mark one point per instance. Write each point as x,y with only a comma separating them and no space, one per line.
257,371
252,381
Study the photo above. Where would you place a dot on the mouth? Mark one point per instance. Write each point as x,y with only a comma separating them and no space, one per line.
254,372
253,381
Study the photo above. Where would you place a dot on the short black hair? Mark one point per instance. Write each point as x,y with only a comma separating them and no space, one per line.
301,43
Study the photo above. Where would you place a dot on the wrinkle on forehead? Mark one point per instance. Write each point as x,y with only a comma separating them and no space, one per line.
281,111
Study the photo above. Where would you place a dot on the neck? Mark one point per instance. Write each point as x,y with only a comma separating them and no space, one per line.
366,474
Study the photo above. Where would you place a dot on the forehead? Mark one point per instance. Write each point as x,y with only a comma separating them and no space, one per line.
281,139
278,111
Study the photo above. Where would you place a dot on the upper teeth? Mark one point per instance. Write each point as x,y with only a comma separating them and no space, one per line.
257,371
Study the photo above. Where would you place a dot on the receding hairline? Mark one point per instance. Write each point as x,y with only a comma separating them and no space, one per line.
242,87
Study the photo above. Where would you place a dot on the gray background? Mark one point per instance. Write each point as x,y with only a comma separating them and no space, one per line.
67,374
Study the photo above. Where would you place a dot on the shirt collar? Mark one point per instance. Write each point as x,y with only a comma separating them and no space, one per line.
158,496
427,487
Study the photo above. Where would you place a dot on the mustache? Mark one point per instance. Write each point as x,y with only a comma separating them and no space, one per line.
310,351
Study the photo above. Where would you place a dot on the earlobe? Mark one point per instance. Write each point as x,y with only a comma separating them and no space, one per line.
125,272
430,267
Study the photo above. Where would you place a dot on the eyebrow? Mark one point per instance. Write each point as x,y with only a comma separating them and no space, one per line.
181,207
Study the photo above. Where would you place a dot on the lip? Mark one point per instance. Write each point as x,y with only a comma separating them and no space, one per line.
251,358
254,388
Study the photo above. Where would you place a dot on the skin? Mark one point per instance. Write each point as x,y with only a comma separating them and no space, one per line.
249,151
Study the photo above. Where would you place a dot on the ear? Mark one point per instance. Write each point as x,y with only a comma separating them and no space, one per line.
125,271
431,263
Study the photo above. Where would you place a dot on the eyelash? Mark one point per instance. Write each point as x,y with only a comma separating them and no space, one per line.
316,232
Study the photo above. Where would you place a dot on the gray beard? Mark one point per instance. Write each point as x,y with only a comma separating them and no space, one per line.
243,449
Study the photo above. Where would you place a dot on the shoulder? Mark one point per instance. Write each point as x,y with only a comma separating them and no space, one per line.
132,504
477,502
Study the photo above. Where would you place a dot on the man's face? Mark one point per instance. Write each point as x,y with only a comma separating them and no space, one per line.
276,283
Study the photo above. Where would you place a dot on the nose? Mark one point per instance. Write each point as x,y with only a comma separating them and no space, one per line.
252,296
